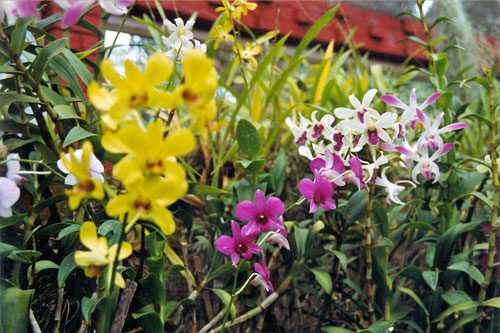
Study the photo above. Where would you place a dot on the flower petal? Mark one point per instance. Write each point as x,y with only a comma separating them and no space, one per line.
245,210
225,244
274,207
260,201
394,101
306,188
88,235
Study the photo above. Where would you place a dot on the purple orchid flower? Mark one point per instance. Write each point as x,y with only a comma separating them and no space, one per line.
73,9
331,167
242,243
318,192
262,214
264,278
410,112
19,8
356,177
431,136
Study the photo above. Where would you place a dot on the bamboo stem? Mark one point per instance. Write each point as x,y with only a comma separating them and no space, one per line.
368,252
496,199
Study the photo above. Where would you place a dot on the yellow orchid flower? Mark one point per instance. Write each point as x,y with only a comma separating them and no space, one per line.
149,153
199,87
135,90
247,54
221,33
146,200
100,256
236,8
86,186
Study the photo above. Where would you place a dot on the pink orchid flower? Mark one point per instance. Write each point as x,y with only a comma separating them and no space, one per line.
409,115
431,136
262,214
425,164
279,237
356,176
318,192
74,9
20,8
264,278
332,167
241,244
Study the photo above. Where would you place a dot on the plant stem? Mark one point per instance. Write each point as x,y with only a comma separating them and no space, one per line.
228,308
368,250
496,199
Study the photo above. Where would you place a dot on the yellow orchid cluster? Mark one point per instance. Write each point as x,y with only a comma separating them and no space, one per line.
149,172
100,256
222,32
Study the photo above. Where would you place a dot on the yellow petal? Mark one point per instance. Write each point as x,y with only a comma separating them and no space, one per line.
120,204
163,219
125,251
109,73
179,142
119,281
102,246
101,97
133,76
88,235
158,69
90,258
120,109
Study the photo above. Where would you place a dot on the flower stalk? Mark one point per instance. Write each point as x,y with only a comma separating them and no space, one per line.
368,251
496,199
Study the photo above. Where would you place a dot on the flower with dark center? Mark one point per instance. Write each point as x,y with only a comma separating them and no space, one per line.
262,214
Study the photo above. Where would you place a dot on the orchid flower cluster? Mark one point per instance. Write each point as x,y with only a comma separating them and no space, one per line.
181,38
73,9
263,216
336,145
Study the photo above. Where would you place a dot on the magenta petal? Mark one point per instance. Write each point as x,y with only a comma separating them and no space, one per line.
73,13
446,148
387,146
393,101
236,231
432,98
235,258
313,207
453,127
306,188
274,207
427,174
404,151
317,164
421,116
356,167
254,248
373,138
276,223
27,8
252,228
245,210
260,201
328,204
248,233
125,3
225,244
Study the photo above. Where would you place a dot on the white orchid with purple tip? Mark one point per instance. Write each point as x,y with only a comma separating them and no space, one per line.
409,115
372,130
431,136
360,108
393,189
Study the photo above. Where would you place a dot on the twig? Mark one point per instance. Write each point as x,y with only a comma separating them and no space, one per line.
57,317
123,306
34,324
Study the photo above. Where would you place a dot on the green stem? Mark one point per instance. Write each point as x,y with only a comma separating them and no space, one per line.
368,251
496,199
228,308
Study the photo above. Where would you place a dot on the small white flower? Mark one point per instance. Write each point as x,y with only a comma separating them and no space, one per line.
95,166
392,189
9,194
360,108
179,30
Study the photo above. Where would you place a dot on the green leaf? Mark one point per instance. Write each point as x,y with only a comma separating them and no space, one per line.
462,321
6,249
248,138
493,302
383,326
323,278
456,308
78,66
66,112
279,171
6,98
155,288
379,215
25,256
315,29
200,189
223,270
469,269
415,39
334,329
8,221
15,305
48,202
76,134
417,299
46,54
150,322
67,266
225,298
88,306
453,297
439,20
431,278
19,33
300,235
253,166
169,308
478,79
447,241
68,230
41,266
62,67
341,257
